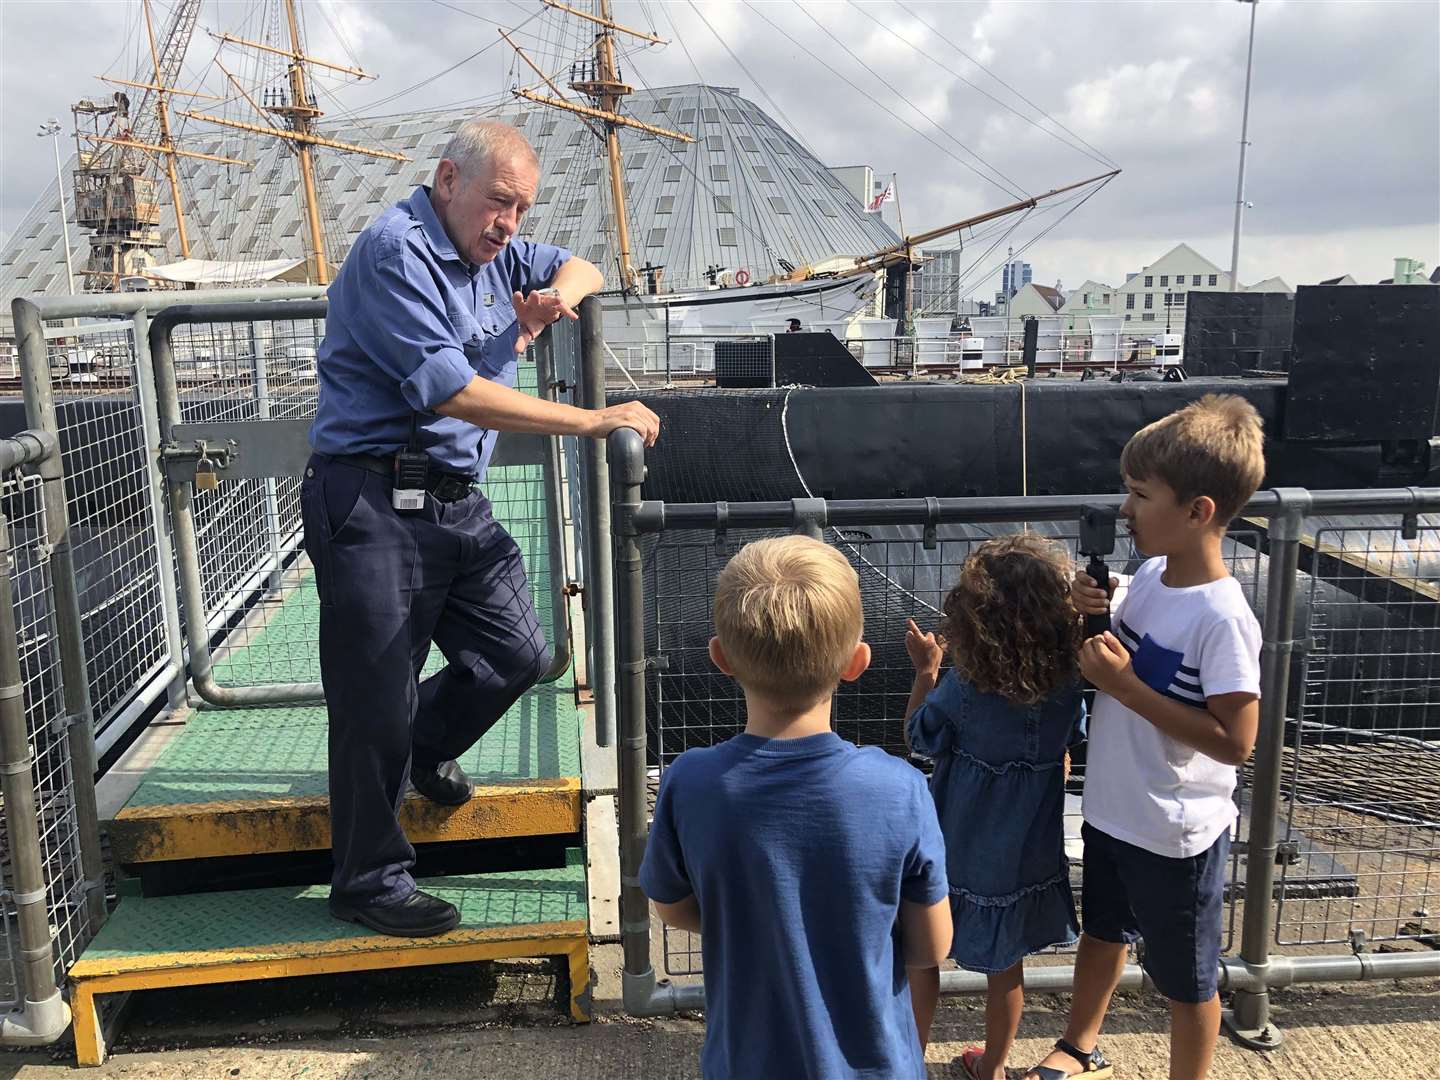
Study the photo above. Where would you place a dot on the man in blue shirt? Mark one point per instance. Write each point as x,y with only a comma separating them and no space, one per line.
428,316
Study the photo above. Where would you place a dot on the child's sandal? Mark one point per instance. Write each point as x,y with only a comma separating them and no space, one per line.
970,1061
1093,1065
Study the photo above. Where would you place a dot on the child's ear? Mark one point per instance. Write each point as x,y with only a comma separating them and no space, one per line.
1202,511
717,657
859,661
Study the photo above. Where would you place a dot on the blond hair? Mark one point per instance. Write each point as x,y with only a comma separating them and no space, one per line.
788,616
1213,447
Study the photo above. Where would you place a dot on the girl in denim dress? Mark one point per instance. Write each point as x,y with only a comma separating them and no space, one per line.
997,727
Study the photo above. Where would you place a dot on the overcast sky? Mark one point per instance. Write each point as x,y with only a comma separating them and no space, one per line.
1344,166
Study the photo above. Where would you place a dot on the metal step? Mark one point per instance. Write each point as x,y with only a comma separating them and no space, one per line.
253,781
202,939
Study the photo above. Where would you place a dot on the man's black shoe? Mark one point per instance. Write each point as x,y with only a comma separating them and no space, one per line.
418,915
446,784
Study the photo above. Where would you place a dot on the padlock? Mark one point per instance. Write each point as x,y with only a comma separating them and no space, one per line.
206,478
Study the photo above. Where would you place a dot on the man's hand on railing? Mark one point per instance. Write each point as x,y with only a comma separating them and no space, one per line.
537,311
629,414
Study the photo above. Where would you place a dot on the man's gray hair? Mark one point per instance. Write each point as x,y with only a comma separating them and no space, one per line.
478,143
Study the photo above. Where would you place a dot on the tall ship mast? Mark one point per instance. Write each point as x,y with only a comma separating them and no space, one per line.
836,290
294,103
599,80
128,152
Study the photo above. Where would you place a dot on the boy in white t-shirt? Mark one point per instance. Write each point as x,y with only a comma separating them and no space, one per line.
1177,709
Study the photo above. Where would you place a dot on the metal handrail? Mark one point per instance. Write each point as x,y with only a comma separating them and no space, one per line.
43,1015
1251,975
162,354
652,515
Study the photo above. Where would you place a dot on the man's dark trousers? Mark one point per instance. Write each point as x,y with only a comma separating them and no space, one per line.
389,584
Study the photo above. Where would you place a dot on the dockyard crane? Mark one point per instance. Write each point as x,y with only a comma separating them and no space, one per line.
117,142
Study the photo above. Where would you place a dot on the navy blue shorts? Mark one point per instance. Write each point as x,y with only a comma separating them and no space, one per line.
1174,904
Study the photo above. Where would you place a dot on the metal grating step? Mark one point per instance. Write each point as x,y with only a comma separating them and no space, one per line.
253,781
272,933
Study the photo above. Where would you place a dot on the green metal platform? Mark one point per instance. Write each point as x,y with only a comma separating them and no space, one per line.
253,781
273,933
236,782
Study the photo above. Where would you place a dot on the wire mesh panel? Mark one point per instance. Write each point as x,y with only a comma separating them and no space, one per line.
1363,761
902,577
694,359
48,730
112,514
248,531
260,600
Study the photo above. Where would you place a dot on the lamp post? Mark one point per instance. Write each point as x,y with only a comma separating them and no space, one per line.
1244,132
52,128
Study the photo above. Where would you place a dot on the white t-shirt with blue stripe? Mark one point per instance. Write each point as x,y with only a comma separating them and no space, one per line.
1142,786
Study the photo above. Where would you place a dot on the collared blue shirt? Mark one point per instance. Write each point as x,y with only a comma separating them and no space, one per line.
799,853
410,324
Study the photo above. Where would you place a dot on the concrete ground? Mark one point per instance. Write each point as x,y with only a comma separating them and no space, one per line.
503,1020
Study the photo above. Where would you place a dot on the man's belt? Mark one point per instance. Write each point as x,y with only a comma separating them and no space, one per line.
447,487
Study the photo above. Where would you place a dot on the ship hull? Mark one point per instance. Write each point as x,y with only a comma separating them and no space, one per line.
736,310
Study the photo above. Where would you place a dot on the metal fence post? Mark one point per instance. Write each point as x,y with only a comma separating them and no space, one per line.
560,647
165,553
44,1015
1249,1019
599,580
74,672
261,377
642,993
628,473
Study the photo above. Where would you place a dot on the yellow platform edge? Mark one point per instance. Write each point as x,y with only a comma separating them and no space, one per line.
171,832
90,979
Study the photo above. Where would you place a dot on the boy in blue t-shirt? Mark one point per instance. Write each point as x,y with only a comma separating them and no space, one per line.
815,868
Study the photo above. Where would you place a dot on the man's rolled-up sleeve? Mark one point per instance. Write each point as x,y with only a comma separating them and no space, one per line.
402,325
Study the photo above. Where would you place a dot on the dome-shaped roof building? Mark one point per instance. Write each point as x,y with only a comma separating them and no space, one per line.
746,195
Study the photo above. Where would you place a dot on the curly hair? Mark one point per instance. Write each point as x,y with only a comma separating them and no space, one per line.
1009,623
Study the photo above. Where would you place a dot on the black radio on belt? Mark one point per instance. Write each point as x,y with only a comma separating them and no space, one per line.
412,468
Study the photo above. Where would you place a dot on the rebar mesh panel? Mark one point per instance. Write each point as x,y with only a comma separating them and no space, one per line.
113,516
260,602
1362,781
248,531
48,730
